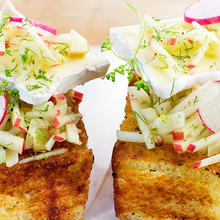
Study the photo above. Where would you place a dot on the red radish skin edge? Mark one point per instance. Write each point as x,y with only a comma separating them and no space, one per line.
36,24
205,123
201,21
5,111
23,129
17,122
217,81
149,42
197,165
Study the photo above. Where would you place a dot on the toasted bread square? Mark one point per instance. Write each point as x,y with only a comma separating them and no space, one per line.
53,188
159,184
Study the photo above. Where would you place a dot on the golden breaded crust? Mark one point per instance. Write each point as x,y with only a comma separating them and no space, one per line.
159,184
54,188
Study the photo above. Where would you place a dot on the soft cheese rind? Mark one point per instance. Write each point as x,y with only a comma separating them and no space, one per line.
125,40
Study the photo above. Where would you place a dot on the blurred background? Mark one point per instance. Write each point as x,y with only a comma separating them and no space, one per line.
93,18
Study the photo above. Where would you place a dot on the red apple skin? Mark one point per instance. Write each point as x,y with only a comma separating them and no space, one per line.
55,122
190,41
191,148
77,100
177,136
190,66
60,96
78,95
17,122
23,129
172,41
58,138
2,53
47,43
197,165
55,65
53,99
7,44
178,147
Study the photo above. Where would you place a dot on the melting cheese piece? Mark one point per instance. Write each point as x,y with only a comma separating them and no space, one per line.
164,83
74,71
66,76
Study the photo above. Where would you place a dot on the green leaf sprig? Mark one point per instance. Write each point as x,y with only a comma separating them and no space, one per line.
131,64
4,87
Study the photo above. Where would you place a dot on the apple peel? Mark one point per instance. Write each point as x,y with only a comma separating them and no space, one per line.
204,12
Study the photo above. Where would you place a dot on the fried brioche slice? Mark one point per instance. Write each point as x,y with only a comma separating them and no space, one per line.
54,188
159,184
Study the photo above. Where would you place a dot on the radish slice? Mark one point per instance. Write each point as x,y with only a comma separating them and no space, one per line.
209,113
203,11
3,108
36,24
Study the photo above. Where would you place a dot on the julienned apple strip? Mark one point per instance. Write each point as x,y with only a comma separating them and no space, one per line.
207,161
197,98
37,114
130,136
11,157
142,97
12,142
142,124
200,53
214,148
211,35
190,123
72,133
191,97
44,155
150,114
45,51
168,123
204,142
174,68
182,145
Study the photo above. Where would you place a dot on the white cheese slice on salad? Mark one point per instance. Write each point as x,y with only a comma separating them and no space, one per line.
164,81
38,84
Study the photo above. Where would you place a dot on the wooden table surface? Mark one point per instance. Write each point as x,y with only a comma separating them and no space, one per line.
94,18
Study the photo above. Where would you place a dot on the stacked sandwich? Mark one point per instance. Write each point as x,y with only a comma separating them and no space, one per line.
166,159
45,163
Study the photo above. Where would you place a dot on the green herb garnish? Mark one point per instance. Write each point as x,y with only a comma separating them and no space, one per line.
132,63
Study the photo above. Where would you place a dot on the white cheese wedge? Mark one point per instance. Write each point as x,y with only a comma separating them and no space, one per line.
74,71
125,40
66,76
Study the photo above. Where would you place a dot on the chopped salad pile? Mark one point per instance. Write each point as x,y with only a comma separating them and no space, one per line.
189,119
27,50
